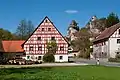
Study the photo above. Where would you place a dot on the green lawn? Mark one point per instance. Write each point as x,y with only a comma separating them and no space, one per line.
61,73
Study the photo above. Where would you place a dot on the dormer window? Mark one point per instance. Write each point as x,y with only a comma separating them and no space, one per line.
118,41
43,29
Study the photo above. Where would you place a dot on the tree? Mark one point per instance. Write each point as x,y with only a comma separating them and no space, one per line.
112,19
5,34
52,46
30,28
24,29
82,43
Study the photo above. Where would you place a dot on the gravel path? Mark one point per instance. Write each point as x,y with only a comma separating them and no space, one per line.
43,65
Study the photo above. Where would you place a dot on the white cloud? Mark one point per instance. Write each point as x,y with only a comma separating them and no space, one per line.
71,11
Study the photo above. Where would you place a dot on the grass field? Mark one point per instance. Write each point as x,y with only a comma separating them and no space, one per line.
61,73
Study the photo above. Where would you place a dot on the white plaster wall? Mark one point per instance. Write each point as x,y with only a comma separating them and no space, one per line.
95,48
65,58
113,46
74,53
105,47
100,48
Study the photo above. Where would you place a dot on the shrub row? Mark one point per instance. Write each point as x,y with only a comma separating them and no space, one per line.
114,60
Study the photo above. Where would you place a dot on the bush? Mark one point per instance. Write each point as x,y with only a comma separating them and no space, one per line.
112,59
117,56
48,57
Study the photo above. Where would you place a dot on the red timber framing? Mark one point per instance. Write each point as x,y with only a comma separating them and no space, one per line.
36,43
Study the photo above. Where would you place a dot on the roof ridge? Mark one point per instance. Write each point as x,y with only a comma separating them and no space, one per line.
107,32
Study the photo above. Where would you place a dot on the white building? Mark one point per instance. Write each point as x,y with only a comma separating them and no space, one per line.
107,44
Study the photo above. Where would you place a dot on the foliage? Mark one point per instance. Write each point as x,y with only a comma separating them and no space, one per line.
1,47
114,60
82,43
112,19
61,73
49,57
52,47
24,29
5,34
117,56
30,28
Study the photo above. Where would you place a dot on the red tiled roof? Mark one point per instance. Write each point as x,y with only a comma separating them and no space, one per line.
12,46
107,32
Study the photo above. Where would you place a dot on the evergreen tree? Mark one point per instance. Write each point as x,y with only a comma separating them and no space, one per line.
112,19
74,25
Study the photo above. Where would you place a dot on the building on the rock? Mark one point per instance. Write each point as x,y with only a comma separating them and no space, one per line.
72,29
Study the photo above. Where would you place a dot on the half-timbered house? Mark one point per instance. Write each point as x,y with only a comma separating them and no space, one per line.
107,44
35,45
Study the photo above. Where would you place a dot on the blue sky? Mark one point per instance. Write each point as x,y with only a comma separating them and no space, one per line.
61,12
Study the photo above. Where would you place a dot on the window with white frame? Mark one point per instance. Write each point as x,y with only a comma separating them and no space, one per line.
40,48
52,38
46,20
118,41
39,38
39,57
61,48
119,31
60,57
49,29
31,48
43,29
28,57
